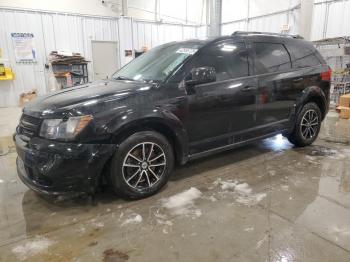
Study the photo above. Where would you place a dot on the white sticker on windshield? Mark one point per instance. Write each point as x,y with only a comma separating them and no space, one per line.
189,51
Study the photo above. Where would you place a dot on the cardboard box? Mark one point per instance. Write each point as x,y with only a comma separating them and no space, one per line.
344,112
344,100
24,98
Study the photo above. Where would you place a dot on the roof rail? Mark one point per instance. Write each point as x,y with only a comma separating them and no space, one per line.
266,33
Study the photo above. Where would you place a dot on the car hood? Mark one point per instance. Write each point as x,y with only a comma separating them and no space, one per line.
86,95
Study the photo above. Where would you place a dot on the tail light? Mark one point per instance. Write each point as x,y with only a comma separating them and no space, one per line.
326,76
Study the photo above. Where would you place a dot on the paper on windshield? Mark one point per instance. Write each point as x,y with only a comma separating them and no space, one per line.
188,51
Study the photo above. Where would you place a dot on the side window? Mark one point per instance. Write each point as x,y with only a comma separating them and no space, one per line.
228,58
270,57
302,55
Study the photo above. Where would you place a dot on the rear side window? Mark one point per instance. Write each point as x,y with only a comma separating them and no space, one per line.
228,58
270,57
303,55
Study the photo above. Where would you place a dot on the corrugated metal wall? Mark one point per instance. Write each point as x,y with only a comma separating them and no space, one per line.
330,19
152,34
259,15
266,23
74,33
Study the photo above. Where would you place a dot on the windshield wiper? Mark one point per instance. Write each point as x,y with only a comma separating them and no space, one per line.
124,78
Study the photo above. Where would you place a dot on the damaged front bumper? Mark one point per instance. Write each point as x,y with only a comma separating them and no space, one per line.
57,168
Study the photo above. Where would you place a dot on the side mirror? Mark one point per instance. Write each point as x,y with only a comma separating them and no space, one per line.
201,75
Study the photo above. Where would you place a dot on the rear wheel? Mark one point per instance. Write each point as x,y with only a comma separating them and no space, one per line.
307,126
142,165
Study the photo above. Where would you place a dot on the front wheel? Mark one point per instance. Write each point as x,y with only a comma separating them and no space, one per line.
307,126
142,165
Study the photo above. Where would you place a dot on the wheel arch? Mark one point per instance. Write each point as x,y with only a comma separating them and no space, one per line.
316,95
175,134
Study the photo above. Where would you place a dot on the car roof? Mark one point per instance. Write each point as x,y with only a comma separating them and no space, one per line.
253,36
245,35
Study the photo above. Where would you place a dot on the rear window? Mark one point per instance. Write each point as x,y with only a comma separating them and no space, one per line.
303,54
270,57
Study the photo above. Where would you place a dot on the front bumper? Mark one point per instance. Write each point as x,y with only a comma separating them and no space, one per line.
57,168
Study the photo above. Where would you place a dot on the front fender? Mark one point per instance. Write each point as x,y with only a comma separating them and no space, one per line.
166,122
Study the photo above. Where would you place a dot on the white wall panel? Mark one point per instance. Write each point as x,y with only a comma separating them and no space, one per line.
318,21
262,7
149,35
228,29
234,10
68,32
331,19
271,23
339,19
189,32
268,24
28,75
125,35
201,32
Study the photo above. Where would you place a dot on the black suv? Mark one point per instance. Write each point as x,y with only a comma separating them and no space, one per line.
177,102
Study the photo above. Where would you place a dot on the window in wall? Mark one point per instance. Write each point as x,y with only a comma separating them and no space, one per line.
270,57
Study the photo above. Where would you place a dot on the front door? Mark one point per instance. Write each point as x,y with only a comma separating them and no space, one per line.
217,110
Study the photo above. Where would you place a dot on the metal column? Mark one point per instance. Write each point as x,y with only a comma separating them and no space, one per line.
306,10
215,17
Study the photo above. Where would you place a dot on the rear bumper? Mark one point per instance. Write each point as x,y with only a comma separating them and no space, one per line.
56,168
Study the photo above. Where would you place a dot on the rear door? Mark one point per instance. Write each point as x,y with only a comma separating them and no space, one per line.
272,66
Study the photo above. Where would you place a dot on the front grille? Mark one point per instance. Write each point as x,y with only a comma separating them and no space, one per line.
29,126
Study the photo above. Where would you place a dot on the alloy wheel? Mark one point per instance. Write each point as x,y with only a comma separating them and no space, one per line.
144,165
309,124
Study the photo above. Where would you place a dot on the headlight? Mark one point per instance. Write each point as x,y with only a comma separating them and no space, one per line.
64,129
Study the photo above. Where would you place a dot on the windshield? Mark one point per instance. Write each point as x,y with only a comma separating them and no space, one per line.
158,63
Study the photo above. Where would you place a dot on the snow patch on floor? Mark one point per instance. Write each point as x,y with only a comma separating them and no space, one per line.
249,229
132,219
243,188
211,198
32,247
285,187
183,203
311,159
164,222
250,199
242,192
98,224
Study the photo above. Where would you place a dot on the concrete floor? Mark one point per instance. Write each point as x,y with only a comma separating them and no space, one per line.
294,207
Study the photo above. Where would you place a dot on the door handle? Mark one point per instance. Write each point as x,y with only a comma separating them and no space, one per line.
247,88
298,80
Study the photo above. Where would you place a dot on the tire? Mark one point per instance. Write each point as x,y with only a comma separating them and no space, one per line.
307,125
135,173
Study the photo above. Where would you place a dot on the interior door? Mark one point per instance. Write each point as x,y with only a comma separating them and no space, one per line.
218,109
105,58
